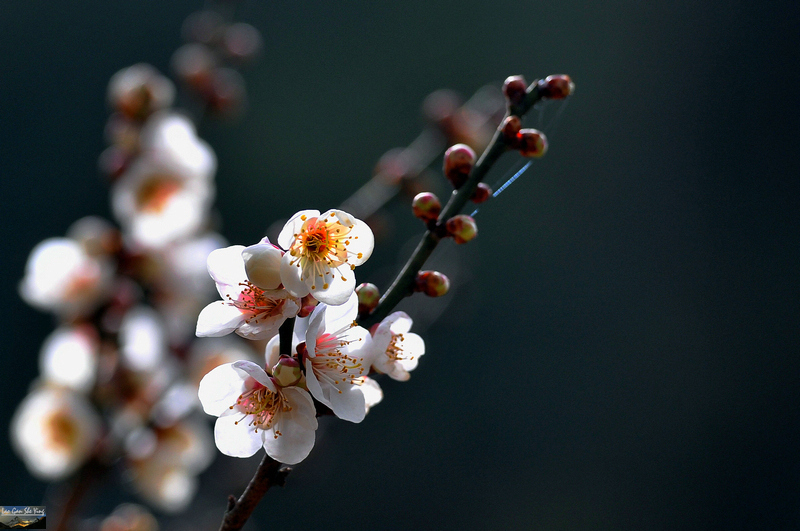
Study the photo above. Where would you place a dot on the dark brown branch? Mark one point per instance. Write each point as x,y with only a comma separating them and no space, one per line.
269,473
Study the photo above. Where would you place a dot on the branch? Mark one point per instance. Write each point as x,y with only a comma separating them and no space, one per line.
270,472
403,285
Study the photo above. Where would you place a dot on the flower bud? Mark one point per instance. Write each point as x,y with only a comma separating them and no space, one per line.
432,283
368,297
532,143
556,87
262,263
510,128
462,228
515,88
458,162
287,371
241,41
481,194
426,206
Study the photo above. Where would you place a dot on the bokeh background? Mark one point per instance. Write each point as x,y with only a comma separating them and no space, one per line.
622,352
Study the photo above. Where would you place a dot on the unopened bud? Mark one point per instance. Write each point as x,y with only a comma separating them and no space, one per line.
515,88
287,371
139,90
556,87
481,194
368,297
307,305
262,263
426,206
241,41
458,162
510,128
532,143
462,228
432,283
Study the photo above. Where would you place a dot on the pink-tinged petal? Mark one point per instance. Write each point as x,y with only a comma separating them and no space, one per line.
218,319
396,372
297,436
339,289
235,437
220,388
293,226
337,317
226,267
290,275
362,242
349,404
254,371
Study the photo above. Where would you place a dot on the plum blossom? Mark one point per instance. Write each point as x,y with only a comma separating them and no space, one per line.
69,357
254,412
395,350
322,252
62,277
54,431
334,359
166,194
249,310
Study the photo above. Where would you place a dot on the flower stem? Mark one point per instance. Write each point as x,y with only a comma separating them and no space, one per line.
403,285
270,472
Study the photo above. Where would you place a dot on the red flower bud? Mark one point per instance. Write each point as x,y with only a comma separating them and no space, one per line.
532,143
556,87
368,297
426,206
510,128
515,88
458,162
432,283
481,194
462,228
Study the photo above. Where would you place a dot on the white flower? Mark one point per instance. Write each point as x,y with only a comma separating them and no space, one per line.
250,311
61,277
396,351
138,90
69,357
254,412
143,339
334,361
322,252
167,192
54,431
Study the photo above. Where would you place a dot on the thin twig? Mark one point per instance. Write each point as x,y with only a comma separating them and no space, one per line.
403,285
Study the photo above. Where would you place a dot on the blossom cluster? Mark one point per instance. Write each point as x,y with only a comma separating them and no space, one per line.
308,276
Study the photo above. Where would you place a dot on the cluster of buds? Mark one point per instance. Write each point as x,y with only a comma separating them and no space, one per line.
207,64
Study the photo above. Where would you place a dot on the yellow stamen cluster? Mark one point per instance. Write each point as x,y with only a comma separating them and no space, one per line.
262,405
394,351
321,245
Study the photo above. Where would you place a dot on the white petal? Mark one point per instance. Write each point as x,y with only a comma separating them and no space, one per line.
297,437
290,275
349,404
373,393
313,384
262,263
226,267
337,317
236,440
316,322
293,226
398,322
220,388
273,351
339,289
218,319
361,241
254,371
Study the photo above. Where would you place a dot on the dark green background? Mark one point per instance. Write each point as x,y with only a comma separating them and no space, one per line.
624,353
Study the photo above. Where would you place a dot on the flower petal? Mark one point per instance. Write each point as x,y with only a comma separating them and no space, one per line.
297,429
218,319
347,402
235,437
293,226
220,388
290,275
339,289
256,372
226,267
